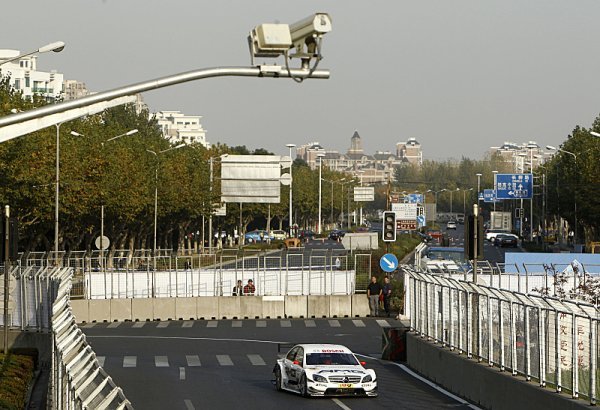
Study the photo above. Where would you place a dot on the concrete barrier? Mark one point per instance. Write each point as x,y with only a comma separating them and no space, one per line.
185,308
296,306
318,306
142,309
81,310
485,386
360,305
340,306
251,307
99,310
273,307
207,307
230,307
164,308
120,310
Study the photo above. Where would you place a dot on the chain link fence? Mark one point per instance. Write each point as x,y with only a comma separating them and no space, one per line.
552,341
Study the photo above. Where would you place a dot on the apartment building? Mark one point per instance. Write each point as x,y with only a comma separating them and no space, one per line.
181,128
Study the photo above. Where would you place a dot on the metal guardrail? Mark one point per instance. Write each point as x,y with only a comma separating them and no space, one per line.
546,339
77,381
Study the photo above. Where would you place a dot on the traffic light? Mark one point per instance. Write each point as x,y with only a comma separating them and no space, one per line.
518,213
13,235
389,226
473,225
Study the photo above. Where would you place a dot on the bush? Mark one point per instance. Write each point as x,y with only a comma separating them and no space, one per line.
16,373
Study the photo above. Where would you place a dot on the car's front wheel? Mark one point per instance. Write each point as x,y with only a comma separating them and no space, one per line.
278,381
303,387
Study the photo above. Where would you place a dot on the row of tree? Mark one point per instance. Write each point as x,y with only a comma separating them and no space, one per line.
121,175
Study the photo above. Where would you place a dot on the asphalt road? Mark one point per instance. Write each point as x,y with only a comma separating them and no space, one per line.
491,253
228,364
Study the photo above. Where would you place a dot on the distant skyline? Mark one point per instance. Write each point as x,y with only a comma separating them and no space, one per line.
458,76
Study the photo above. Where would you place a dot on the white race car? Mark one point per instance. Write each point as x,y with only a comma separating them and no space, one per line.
324,370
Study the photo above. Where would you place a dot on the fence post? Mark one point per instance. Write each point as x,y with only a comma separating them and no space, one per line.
490,333
527,346
593,360
557,351
501,329
542,346
574,362
469,318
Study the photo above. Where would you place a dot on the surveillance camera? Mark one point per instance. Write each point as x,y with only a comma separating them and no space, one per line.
312,26
269,40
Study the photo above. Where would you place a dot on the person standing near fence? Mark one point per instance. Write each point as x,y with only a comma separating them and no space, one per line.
238,289
249,289
373,292
387,295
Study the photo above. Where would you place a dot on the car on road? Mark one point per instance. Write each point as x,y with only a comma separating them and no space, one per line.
490,234
451,225
278,235
424,237
257,235
506,239
324,370
305,234
336,234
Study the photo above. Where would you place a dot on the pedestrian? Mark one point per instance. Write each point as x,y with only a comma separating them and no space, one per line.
387,295
373,292
238,289
249,289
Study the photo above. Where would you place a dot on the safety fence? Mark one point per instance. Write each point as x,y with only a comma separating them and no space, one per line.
550,340
136,274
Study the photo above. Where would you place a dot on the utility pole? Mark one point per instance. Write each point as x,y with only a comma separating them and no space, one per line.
6,273
210,207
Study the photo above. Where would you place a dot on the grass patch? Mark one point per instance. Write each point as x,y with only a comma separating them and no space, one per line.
16,373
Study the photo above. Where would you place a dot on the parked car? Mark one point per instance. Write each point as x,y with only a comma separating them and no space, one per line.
435,234
278,235
336,234
451,225
506,239
257,235
425,237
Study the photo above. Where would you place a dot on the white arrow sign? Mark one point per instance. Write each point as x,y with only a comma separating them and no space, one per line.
389,263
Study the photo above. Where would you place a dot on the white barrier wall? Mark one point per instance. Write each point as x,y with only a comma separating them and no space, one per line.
220,307
190,283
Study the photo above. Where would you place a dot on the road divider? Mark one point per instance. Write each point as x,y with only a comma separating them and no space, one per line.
220,307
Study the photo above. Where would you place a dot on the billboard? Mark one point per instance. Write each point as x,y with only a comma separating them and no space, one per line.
251,178
405,211
364,193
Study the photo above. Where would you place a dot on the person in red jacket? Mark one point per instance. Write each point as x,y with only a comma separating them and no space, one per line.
249,289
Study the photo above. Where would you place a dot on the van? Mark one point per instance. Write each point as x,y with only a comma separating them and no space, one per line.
460,218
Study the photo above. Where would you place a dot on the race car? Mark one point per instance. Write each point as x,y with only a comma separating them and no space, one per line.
324,370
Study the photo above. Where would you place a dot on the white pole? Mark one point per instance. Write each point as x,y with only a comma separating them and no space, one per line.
319,222
56,194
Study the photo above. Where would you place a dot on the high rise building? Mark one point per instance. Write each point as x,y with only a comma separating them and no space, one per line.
181,128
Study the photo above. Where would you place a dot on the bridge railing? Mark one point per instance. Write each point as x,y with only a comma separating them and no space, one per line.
549,340
77,381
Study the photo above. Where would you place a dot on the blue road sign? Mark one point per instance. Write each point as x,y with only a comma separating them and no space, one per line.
420,221
388,262
514,186
481,196
414,198
489,195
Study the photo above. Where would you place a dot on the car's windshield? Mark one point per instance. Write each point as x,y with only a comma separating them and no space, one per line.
334,359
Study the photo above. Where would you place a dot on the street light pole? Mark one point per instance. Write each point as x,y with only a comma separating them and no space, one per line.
495,188
320,158
290,146
57,47
478,187
550,147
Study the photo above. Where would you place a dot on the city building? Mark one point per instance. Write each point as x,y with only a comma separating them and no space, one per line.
25,76
181,128
522,157
376,168
73,89
410,151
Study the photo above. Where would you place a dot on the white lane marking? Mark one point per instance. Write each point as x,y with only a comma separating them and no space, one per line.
261,323
358,323
188,323
236,323
256,360
113,325
310,323
383,323
129,361
182,373
101,360
162,324
212,339
426,381
138,325
339,403
334,323
189,405
224,360
193,360
212,323
161,361
286,323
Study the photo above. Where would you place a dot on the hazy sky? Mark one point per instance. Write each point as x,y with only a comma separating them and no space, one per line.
460,75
